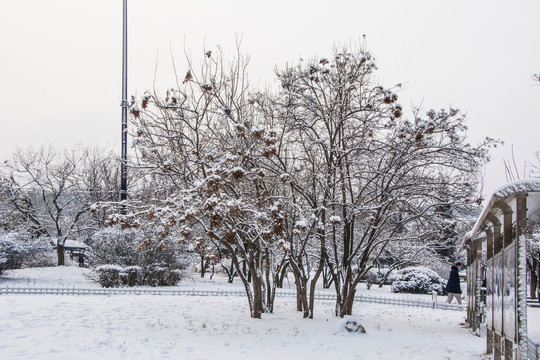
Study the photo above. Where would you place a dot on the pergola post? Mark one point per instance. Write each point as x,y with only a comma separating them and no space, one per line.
477,315
508,326
489,290
521,274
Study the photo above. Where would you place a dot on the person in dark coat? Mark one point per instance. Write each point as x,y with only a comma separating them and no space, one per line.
453,288
81,260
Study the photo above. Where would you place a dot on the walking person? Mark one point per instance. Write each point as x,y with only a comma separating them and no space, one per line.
81,260
453,288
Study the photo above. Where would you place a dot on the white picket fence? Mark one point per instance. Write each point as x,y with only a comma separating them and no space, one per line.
193,292
409,302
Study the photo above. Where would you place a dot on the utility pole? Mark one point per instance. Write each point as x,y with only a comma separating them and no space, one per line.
125,105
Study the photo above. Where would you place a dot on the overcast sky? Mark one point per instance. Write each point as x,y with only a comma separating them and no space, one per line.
60,60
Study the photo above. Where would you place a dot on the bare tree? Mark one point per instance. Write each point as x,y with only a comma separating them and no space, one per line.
16,209
59,189
366,174
201,145
326,174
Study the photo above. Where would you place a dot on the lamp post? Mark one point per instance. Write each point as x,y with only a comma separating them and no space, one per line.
125,105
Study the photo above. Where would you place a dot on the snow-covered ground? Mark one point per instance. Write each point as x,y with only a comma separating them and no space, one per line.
176,327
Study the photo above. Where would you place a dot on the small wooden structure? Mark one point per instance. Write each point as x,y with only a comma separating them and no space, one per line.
496,254
73,246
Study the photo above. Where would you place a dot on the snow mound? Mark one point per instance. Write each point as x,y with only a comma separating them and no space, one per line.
350,325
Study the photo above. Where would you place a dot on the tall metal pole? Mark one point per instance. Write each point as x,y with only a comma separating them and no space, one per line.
125,105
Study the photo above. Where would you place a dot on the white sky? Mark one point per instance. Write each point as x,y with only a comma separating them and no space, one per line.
60,60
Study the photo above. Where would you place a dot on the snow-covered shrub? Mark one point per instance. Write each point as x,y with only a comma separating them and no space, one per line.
108,275
131,276
114,275
17,247
113,245
46,258
3,262
156,275
375,276
160,276
11,254
417,280
140,260
370,278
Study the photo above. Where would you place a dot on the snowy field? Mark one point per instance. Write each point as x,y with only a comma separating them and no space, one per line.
177,327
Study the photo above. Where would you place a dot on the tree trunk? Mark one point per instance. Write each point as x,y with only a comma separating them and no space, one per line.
254,274
312,288
537,269
301,287
327,278
203,269
299,293
271,278
231,273
385,278
304,299
60,252
282,275
213,271
257,297
346,308
534,279
241,269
